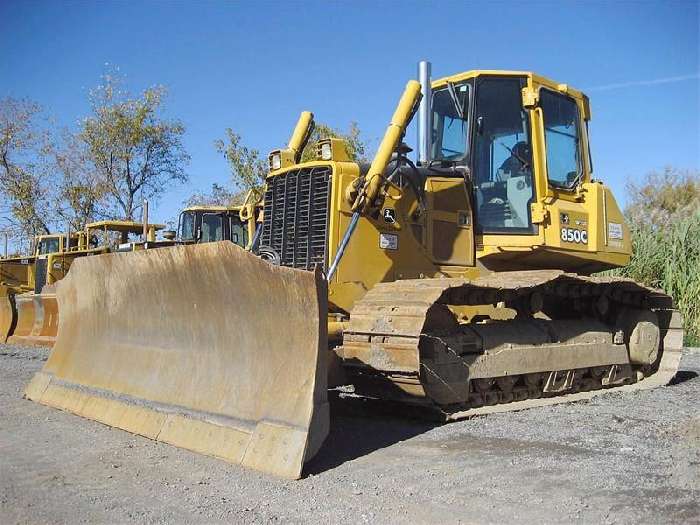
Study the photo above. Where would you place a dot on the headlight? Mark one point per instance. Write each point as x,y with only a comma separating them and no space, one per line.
276,161
326,151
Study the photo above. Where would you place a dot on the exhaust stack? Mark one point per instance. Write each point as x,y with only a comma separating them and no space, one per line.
425,114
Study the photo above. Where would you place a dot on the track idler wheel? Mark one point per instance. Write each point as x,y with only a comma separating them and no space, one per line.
642,335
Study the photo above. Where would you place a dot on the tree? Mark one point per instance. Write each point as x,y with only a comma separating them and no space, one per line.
659,199
248,170
135,152
25,175
218,196
82,194
354,145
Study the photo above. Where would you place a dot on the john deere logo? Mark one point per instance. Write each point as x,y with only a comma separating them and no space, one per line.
389,215
565,218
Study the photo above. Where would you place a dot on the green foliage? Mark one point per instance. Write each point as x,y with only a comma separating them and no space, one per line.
25,181
82,193
661,198
354,144
248,169
664,216
218,196
125,151
135,152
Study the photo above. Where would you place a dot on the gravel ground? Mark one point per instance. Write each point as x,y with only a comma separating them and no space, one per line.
620,458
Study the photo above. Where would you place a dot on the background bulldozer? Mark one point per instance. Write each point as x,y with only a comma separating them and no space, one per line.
30,310
18,276
29,306
461,282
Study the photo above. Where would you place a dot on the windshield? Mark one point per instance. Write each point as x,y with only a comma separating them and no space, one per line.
212,227
450,122
48,246
186,226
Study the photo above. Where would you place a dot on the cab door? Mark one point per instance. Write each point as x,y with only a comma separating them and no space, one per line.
569,225
451,228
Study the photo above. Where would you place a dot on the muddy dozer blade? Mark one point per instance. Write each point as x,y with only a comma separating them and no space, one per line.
8,314
205,347
37,318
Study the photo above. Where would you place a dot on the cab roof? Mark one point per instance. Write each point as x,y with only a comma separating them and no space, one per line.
204,207
73,235
121,226
532,77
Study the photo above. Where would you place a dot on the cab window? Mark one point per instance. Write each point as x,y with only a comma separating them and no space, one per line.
212,227
450,125
503,182
187,226
561,139
239,234
48,246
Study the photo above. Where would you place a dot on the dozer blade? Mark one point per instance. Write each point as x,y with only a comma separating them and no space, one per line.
37,318
205,347
26,318
8,314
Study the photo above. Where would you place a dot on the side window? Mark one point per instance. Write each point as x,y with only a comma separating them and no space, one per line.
561,139
239,234
212,227
503,183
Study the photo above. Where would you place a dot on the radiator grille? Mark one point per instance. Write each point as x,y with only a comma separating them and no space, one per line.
40,274
296,216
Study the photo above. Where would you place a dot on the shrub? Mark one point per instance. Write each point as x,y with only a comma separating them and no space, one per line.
668,257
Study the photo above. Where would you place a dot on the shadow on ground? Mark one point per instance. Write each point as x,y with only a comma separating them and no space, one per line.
361,426
682,376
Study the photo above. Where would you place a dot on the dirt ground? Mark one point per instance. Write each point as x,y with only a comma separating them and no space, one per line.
619,458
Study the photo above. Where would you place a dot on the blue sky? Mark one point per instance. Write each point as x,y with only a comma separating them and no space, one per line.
254,66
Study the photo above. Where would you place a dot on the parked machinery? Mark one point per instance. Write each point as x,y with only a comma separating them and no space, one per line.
31,318
461,282
18,273
29,311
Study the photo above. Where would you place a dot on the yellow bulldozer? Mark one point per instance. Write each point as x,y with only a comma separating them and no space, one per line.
18,275
17,272
29,311
460,282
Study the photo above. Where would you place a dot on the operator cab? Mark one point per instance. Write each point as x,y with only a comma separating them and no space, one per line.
481,123
211,224
521,142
